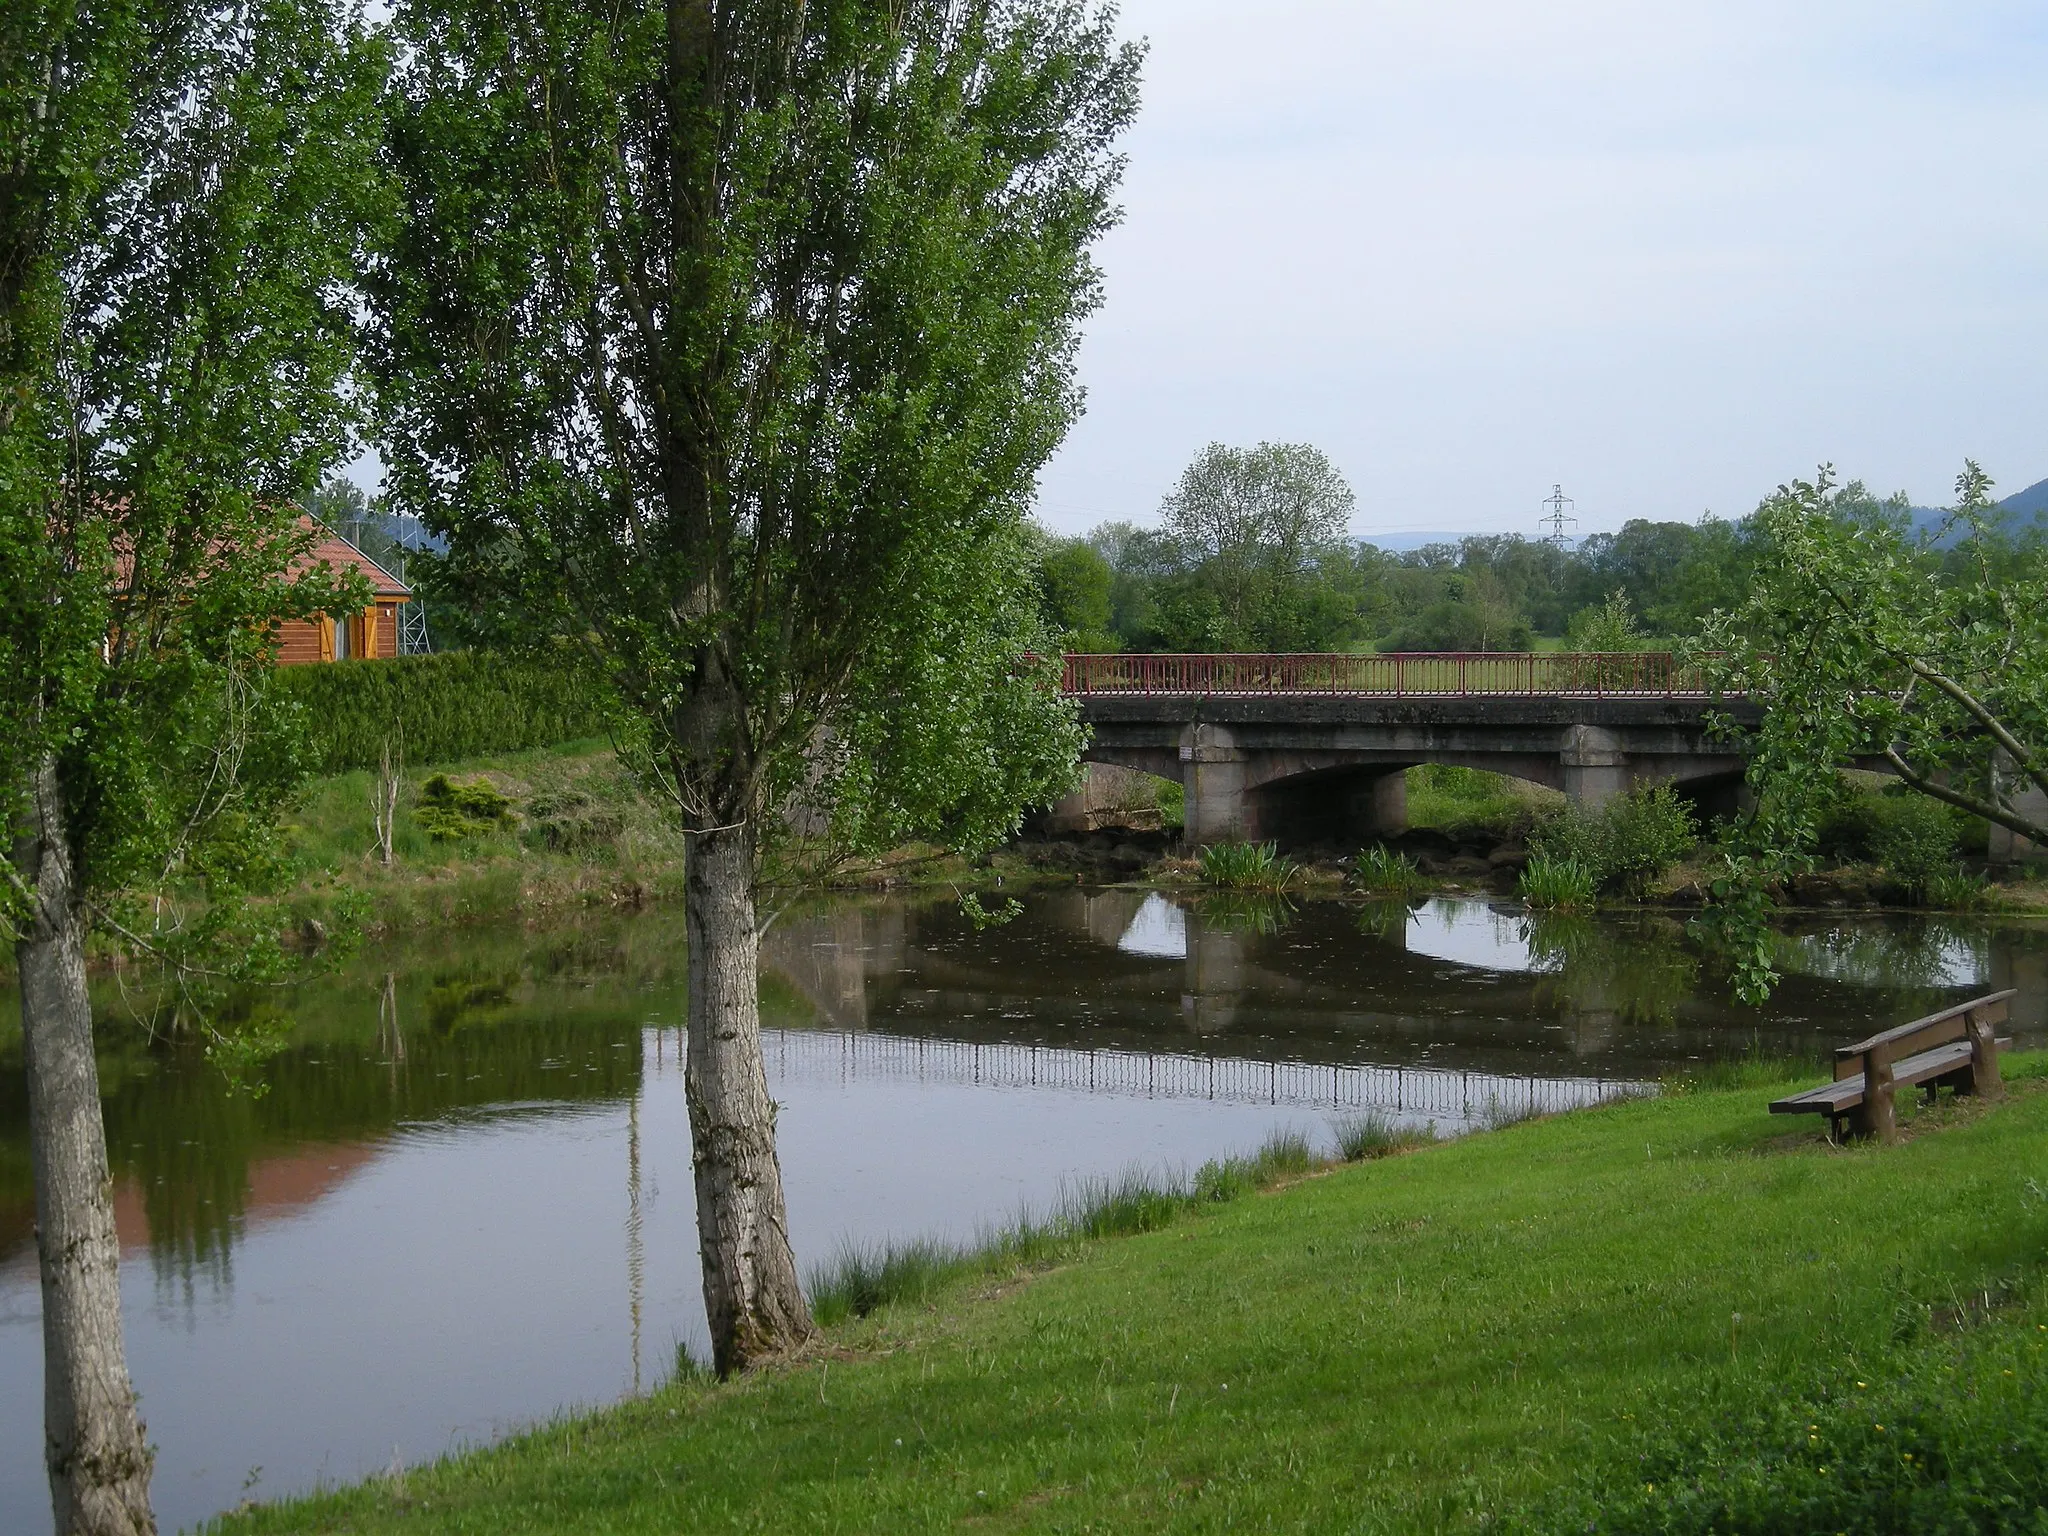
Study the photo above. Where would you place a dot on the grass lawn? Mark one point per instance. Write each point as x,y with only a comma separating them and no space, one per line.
1419,1343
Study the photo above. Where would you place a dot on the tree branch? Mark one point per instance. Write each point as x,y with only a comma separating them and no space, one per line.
2009,819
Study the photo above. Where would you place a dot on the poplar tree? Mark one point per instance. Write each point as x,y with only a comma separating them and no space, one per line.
725,338
180,186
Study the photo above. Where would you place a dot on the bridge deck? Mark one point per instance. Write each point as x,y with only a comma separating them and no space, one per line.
1650,674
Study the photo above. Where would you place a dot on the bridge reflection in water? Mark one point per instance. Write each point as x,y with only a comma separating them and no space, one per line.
1266,1001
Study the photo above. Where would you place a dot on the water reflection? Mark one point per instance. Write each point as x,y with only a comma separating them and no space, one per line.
464,1199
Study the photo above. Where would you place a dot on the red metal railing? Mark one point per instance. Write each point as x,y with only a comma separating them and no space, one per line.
1417,674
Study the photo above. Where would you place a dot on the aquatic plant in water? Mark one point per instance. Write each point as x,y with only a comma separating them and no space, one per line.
1247,867
1384,872
1556,884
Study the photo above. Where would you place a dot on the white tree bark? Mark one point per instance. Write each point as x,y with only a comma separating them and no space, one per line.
98,1460
752,1294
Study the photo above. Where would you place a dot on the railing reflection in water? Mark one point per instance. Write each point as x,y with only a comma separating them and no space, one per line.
828,1057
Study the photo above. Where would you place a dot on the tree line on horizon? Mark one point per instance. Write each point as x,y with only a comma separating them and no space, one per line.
1252,553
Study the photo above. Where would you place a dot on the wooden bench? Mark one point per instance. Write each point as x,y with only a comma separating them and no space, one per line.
1956,1047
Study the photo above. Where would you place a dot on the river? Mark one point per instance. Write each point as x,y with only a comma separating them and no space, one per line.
462,1200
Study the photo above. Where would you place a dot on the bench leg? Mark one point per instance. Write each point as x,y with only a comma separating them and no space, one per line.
1984,1078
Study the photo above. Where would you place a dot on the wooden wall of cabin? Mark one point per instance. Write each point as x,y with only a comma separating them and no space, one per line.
371,633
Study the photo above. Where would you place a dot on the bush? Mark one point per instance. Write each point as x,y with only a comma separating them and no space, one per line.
438,709
1625,844
1247,867
448,812
1917,840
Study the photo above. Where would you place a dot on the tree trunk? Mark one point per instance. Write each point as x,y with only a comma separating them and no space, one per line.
93,1443
751,1291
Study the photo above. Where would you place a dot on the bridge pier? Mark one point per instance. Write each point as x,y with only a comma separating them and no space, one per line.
1595,769
1213,776
2007,846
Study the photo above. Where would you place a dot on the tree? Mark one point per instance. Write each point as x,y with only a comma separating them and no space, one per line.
1075,585
726,340
1859,649
1254,529
179,192
1607,629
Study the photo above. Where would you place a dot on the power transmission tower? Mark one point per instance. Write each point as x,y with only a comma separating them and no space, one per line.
1559,519
413,639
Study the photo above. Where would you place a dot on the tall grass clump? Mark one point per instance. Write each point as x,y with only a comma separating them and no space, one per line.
1557,884
1361,1138
1385,872
1247,867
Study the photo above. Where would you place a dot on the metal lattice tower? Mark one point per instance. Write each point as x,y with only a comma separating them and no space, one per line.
413,639
1558,519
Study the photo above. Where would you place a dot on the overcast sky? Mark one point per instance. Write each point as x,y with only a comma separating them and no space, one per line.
1665,254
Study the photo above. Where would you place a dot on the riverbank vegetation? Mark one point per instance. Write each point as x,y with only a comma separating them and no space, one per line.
1661,1315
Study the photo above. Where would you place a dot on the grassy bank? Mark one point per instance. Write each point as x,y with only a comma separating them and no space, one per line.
1473,1334
573,831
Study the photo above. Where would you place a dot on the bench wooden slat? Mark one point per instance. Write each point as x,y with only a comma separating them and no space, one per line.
1846,1093
1991,1009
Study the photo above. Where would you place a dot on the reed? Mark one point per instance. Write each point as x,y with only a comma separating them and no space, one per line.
1247,867
1557,885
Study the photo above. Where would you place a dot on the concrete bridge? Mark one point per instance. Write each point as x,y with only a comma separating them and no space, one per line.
1314,748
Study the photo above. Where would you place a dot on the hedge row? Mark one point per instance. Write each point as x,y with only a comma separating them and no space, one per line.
455,705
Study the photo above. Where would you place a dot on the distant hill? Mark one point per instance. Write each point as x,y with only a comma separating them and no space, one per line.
2018,509
2031,502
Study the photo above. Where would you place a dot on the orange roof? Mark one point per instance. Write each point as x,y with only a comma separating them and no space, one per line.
336,552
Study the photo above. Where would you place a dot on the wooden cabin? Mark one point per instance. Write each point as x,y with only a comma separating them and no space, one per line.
373,633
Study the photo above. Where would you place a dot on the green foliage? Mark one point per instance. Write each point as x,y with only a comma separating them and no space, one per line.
1385,872
1252,557
1553,883
1862,641
1255,867
981,918
1606,629
437,709
1075,585
1624,845
449,812
1916,839
180,229
781,318
1471,799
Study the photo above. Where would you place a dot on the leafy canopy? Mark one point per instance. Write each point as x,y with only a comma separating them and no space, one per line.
179,218
1867,644
727,340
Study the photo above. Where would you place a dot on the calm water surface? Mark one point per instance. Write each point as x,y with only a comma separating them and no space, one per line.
464,1203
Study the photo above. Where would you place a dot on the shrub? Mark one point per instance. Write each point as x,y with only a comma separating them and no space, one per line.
1557,884
439,709
448,812
1916,840
1625,844
1247,867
